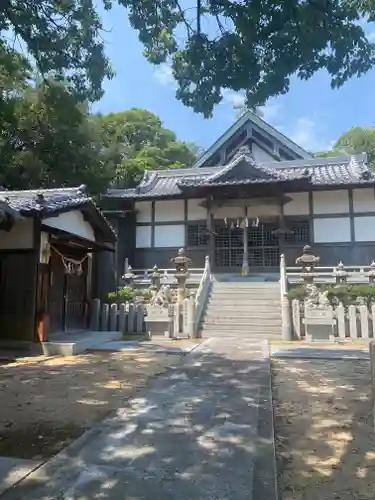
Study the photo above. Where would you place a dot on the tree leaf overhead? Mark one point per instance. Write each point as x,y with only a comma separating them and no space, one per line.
253,46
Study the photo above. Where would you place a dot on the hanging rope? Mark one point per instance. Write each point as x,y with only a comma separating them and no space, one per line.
71,266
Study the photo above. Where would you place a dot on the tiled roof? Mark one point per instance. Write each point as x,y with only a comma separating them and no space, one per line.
330,171
48,202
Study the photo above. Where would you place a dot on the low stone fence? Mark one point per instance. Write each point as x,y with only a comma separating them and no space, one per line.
130,318
354,321
127,317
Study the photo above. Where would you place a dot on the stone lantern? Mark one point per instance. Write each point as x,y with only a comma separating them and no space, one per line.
155,278
181,262
340,274
129,276
371,273
308,261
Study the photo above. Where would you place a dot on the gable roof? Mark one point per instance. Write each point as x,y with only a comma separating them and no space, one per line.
330,171
250,117
49,202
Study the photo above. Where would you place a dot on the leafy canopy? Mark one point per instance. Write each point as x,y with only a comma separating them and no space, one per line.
356,140
253,46
136,141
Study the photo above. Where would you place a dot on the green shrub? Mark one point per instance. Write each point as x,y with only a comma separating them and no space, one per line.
347,294
123,294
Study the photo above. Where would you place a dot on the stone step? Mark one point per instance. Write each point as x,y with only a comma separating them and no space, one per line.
235,318
252,294
249,291
241,328
266,304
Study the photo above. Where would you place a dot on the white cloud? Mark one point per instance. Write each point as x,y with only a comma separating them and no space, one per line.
305,132
371,37
235,99
164,75
271,112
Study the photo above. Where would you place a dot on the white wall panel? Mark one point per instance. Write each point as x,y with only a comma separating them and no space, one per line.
364,200
196,211
72,222
169,210
144,210
298,205
143,237
260,155
19,237
364,228
331,202
332,230
170,236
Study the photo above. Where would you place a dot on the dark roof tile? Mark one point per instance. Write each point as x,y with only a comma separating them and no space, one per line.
330,171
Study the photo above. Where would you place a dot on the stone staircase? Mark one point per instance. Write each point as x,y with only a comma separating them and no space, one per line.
243,308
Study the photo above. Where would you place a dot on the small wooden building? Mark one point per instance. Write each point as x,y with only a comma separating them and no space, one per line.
48,242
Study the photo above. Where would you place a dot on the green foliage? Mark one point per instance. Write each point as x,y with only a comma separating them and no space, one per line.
128,294
347,294
252,46
356,140
135,140
123,294
213,45
49,140
63,38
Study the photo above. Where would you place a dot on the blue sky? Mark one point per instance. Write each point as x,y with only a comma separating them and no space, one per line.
311,114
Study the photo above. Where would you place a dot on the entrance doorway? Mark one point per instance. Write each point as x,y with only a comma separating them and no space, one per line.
263,246
68,297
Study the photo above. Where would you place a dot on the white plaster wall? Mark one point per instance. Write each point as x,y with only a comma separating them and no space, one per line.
19,237
195,211
298,205
170,236
331,202
364,200
332,230
144,210
260,155
72,222
169,210
364,228
143,237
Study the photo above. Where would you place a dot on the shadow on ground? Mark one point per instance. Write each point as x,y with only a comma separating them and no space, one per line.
191,434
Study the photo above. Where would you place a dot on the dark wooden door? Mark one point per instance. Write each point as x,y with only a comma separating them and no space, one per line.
68,299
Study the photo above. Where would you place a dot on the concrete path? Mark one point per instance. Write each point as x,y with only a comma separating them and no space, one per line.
12,470
192,434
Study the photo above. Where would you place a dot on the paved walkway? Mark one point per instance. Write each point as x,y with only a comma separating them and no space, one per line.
191,434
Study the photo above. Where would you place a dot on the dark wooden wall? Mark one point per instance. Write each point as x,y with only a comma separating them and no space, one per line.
17,295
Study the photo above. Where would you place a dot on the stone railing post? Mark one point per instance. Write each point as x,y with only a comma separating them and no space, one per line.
286,320
372,360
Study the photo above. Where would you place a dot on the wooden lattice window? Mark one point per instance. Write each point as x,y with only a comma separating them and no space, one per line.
197,235
301,232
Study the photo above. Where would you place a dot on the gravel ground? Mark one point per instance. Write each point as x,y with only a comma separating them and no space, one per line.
45,404
324,435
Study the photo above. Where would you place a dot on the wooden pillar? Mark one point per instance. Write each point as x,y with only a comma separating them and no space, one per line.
245,260
210,229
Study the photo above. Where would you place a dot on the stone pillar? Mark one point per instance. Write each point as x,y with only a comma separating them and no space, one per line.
245,260
372,360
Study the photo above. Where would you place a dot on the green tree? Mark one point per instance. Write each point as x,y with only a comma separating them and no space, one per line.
62,37
255,46
251,46
356,140
51,141
135,140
